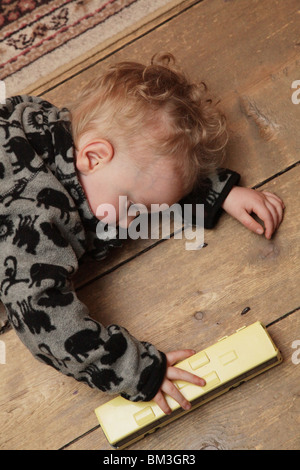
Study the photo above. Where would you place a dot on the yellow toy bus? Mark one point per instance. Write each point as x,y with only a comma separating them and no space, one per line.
231,361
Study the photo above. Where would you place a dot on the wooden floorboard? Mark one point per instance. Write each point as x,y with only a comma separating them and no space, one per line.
255,94
194,300
260,414
245,56
176,298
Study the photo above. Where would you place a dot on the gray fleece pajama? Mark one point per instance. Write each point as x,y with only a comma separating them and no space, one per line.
46,226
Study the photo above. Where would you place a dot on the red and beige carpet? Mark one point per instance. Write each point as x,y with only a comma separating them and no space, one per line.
40,36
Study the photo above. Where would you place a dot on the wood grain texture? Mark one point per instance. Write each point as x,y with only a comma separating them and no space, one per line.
171,297
260,414
236,269
244,54
176,298
252,79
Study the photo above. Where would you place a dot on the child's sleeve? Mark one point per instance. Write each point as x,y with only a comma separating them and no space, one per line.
37,290
212,192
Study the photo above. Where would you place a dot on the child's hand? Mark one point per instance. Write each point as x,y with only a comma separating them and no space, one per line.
241,202
174,373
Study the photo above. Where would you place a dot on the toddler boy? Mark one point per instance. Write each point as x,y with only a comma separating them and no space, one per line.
144,132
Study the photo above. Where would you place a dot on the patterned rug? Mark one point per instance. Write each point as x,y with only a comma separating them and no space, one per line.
38,36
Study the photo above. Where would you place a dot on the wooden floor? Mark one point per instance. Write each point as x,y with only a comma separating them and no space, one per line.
247,51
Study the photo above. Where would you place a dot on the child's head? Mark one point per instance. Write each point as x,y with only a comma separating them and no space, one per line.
155,118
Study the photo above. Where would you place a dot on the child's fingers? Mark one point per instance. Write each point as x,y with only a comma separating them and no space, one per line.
268,216
180,355
267,193
250,223
162,403
275,208
270,211
274,215
175,373
169,388
278,206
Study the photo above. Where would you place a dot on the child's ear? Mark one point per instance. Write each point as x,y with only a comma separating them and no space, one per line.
92,155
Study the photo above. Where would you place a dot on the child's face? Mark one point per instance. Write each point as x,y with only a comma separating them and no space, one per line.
114,175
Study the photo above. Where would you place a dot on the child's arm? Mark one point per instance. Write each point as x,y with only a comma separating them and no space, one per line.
219,192
37,265
212,192
55,326
241,202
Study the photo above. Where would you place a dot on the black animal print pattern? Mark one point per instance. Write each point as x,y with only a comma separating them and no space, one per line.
46,226
26,234
83,341
212,193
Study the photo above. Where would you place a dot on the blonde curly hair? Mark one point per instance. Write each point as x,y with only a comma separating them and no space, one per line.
158,106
